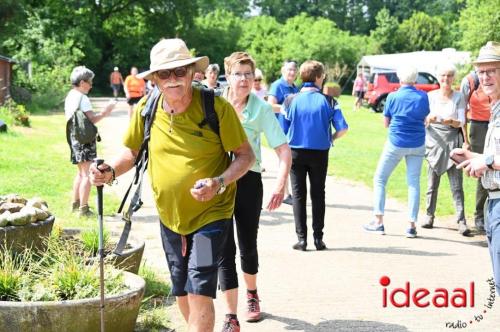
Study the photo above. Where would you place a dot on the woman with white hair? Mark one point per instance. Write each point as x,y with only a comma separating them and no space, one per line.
404,114
443,134
259,87
82,154
211,74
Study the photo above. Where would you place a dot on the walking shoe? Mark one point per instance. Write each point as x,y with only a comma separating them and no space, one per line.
301,245
288,200
253,307
75,206
231,325
85,212
375,228
411,233
429,223
462,228
319,244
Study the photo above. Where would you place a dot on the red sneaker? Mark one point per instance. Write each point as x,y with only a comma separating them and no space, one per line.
231,325
253,308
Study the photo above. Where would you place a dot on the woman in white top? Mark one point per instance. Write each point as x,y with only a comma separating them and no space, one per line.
82,155
443,134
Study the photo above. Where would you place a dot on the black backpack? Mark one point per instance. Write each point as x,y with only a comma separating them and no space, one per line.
141,161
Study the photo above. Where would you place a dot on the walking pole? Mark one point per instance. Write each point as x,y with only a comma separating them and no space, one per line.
101,245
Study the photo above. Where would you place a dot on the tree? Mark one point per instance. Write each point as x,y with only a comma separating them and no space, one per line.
421,32
479,22
238,7
385,36
261,39
215,35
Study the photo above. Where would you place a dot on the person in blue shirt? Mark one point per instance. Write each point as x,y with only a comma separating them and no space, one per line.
278,91
404,114
309,117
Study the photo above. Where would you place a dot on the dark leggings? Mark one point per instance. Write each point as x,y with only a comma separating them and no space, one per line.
247,209
315,164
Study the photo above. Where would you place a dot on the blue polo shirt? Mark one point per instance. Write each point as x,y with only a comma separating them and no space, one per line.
309,120
280,89
407,109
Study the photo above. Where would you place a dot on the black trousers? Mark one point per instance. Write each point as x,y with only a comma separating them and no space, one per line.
477,135
247,208
315,164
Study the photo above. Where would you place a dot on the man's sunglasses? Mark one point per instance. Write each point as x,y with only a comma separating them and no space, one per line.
178,72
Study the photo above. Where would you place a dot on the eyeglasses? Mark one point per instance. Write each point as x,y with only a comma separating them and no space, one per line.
178,72
239,76
258,79
487,72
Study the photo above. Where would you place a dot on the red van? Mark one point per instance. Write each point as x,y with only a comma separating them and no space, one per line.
381,84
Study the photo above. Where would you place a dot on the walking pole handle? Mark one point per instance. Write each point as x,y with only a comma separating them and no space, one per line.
98,162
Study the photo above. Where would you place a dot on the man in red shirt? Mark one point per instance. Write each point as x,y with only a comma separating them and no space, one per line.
115,80
135,89
478,115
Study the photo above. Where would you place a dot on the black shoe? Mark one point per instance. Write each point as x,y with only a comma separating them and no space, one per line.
288,200
301,245
319,244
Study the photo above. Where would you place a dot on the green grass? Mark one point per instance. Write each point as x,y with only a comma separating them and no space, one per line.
355,157
35,162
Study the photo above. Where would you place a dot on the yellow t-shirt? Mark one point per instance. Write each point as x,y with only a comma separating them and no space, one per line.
179,158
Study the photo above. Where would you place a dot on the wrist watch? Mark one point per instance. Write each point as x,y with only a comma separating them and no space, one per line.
489,160
222,186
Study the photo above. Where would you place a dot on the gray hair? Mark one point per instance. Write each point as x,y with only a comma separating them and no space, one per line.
446,67
213,67
407,74
81,73
258,73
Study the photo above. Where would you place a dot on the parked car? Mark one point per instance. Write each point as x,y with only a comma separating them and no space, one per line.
222,81
381,84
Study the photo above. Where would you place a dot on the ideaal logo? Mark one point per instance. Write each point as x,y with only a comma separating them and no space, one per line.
439,298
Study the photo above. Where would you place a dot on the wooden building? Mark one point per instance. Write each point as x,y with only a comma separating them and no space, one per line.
5,77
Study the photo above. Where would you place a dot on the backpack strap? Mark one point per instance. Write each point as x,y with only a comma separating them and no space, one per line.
141,161
473,84
208,105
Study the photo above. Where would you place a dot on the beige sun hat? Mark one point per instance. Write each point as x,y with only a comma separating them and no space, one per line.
488,53
172,53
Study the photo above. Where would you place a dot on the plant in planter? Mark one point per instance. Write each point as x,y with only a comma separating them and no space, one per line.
129,260
58,291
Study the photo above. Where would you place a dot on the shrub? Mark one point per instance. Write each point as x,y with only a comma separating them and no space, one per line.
14,114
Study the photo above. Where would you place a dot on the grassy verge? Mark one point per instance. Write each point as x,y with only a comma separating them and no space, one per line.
35,162
355,157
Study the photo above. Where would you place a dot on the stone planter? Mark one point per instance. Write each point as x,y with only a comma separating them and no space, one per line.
129,260
31,235
120,312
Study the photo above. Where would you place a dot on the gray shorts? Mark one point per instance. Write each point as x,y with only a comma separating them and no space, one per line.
193,258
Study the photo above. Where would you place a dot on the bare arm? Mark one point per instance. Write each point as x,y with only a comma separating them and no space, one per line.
285,157
339,134
243,160
121,164
96,117
387,121
274,103
466,144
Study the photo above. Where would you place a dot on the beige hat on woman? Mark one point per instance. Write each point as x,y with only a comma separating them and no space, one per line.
488,53
172,53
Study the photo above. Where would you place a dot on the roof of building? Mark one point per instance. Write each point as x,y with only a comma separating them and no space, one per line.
4,58
427,61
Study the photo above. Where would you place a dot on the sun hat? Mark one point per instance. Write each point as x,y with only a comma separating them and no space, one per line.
488,53
172,53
